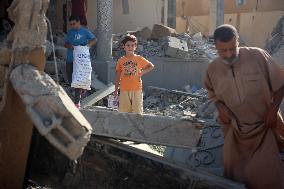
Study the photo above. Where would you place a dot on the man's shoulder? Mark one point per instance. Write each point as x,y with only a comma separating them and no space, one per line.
254,50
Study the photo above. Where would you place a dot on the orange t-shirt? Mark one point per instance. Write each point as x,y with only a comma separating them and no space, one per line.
130,67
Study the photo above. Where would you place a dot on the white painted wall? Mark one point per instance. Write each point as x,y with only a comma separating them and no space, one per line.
141,13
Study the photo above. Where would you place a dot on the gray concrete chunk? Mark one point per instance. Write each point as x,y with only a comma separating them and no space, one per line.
160,31
176,48
52,111
150,129
92,99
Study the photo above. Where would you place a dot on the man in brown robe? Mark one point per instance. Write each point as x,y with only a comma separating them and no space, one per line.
247,87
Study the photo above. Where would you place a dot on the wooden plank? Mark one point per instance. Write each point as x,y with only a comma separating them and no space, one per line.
92,99
145,128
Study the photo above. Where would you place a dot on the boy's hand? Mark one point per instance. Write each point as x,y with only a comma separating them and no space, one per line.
141,73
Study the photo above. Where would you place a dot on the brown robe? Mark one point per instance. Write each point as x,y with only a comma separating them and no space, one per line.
251,150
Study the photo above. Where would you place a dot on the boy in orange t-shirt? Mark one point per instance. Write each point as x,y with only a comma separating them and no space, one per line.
129,70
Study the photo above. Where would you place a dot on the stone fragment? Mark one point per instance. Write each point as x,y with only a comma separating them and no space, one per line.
96,83
176,48
144,33
90,100
51,110
160,31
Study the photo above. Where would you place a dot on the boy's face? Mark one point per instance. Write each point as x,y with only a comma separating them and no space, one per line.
74,24
130,47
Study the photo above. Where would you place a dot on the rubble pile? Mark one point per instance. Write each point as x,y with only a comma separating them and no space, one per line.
275,45
277,40
166,42
187,105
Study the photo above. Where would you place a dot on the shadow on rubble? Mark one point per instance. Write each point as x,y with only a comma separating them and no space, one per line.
102,166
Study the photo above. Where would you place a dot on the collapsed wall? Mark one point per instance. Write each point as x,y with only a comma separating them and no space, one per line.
275,45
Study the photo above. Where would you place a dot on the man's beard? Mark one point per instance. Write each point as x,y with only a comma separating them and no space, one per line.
231,59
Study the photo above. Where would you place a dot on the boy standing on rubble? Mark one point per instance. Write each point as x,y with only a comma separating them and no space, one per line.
129,70
76,36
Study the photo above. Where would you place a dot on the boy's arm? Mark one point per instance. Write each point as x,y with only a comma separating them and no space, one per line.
67,43
147,69
68,46
117,82
92,42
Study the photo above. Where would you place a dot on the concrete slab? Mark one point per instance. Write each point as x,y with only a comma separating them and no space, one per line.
173,73
96,83
149,129
90,100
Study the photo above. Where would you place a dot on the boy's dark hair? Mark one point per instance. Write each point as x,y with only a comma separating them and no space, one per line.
129,38
74,18
225,33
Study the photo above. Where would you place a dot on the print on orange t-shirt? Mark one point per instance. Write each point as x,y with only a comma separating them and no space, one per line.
130,68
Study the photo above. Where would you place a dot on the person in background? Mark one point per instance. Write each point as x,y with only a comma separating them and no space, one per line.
129,70
247,87
76,36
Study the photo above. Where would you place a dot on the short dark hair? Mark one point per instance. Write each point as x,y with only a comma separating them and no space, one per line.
129,38
225,33
74,18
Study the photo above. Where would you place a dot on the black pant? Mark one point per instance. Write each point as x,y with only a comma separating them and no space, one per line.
69,71
78,91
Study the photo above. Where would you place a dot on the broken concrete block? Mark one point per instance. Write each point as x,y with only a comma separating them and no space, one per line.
176,48
51,110
144,33
92,99
160,31
96,83
152,129
30,30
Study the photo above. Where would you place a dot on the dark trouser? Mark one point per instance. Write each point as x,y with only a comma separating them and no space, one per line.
78,92
69,71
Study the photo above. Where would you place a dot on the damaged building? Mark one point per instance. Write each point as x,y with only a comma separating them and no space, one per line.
175,35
